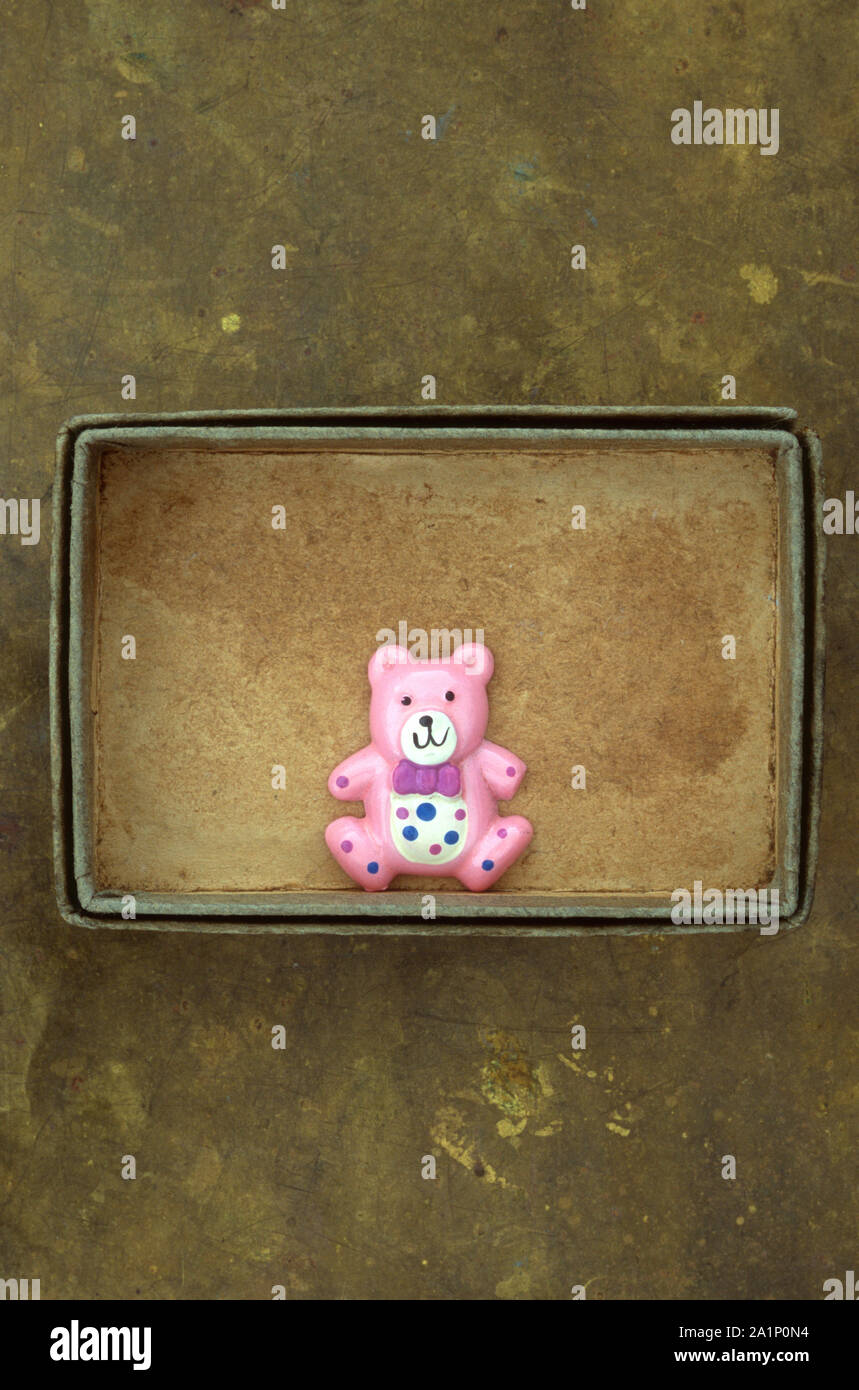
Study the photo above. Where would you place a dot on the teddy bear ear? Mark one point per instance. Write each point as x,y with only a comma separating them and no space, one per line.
477,660
384,658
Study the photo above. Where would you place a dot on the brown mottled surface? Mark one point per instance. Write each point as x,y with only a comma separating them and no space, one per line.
252,647
302,1166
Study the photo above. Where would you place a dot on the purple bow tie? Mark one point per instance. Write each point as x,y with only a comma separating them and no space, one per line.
409,778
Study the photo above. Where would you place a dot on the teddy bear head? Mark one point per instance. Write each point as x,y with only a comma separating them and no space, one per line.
430,712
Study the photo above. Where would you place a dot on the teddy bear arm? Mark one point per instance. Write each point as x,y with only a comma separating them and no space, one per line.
501,769
355,775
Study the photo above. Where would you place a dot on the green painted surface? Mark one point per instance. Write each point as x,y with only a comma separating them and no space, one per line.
302,1166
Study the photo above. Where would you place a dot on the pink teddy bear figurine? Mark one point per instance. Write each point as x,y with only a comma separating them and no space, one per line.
429,779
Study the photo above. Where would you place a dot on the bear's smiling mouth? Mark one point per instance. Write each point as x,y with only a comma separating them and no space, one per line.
436,743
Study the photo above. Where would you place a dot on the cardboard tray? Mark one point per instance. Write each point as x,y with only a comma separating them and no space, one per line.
252,643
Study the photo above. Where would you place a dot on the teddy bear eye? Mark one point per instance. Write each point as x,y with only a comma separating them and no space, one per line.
449,695
406,700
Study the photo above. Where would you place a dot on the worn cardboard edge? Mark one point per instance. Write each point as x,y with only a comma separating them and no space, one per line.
343,903
790,670
339,926
61,797
721,419
373,437
83,543
754,417
815,670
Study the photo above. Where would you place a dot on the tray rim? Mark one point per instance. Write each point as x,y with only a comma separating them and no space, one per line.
731,425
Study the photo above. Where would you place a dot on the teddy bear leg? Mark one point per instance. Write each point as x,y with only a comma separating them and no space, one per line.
357,852
506,838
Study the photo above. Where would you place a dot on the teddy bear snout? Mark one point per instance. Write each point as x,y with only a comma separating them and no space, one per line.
428,738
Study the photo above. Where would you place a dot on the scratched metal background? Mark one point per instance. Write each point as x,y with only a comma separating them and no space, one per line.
255,127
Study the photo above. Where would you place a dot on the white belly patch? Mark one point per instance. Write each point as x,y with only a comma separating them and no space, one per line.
428,829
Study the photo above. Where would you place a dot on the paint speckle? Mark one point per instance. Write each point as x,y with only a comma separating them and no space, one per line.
763,285
443,122
449,1133
524,170
509,1129
231,323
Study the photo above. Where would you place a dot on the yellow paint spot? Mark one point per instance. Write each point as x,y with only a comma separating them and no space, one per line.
515,1286
507,1129
111,229
763,285
231,323
741,1221
447,1133
10,714
814,277
132,72
543,1078
617,1129
549,1129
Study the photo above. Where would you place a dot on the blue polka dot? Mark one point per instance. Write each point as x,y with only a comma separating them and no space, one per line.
426,811
451,837
374,868
410,832
488,864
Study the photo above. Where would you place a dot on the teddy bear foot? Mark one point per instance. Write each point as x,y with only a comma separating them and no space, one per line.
501,846
357,852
